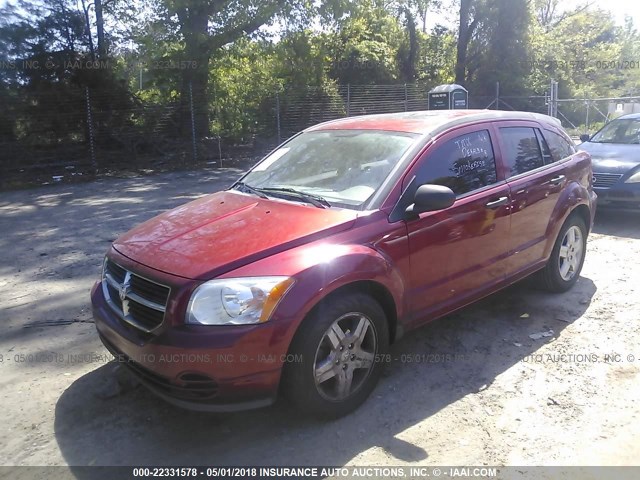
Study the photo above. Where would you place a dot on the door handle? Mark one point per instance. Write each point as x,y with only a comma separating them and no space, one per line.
558,180
500,202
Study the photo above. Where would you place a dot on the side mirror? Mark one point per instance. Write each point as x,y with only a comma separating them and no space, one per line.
585,138
430,198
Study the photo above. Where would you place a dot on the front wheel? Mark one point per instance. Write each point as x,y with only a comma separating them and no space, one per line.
338,345
567,258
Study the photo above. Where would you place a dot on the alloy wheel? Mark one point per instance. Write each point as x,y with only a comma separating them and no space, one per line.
345,356
571,252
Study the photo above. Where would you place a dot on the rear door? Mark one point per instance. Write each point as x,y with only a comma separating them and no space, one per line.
462,251
536,180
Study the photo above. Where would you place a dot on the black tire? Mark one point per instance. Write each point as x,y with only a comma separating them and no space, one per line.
551,277
312,341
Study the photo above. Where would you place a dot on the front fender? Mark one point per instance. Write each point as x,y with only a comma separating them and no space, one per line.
342,265
320,270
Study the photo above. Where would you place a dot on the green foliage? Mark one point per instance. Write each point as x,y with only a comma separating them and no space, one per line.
241,78
231,57
364,48
587,53
501,48
46,51
438,51
247,76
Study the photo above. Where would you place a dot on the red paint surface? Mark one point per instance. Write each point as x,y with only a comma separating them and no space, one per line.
216,233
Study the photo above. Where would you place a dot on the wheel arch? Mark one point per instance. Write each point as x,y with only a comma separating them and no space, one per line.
583,212
293,373
550,277
377,292
574,201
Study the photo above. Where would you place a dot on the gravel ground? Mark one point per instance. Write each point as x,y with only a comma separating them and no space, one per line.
500,397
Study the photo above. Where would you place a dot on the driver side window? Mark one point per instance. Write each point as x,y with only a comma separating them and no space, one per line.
464,164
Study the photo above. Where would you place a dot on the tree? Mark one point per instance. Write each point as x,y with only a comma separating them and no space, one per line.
500,51
409,59
422,8
36,34
493,44
99,7
45,92
550,16
466,28
630,39
203,27
364,43
568,50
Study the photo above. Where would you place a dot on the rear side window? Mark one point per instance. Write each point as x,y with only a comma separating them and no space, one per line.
463,164
521,150
560,147
546,152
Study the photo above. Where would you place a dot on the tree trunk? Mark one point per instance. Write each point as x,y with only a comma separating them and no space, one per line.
193,16
87,21
409,72
423,12
194,94
195,76
464,37
100,28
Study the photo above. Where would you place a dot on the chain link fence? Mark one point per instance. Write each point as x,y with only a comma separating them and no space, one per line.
47,138
54,137
586,116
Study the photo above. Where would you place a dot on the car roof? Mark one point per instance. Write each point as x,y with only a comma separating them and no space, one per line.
427,122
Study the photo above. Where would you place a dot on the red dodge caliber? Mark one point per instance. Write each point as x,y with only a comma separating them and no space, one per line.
299,277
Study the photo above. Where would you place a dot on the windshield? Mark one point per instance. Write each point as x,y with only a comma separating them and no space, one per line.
343,167
625,131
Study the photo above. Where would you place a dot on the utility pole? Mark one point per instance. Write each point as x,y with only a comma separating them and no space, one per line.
553,99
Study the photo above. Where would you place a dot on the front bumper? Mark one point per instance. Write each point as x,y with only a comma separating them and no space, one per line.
621,197
217,369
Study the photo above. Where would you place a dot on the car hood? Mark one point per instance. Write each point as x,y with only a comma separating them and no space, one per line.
226,230
611,157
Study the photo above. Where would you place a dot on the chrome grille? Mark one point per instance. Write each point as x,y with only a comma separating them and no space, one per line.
605,180
138,301
151,291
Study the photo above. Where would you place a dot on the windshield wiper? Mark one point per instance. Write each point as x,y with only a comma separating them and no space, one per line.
246,188
315,200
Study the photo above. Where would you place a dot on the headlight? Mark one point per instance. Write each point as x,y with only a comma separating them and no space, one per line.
236,301
635,178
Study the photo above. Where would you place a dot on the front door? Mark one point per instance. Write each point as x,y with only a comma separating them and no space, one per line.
460,252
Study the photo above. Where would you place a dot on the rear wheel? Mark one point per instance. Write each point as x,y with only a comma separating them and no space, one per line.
567,258
337,344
